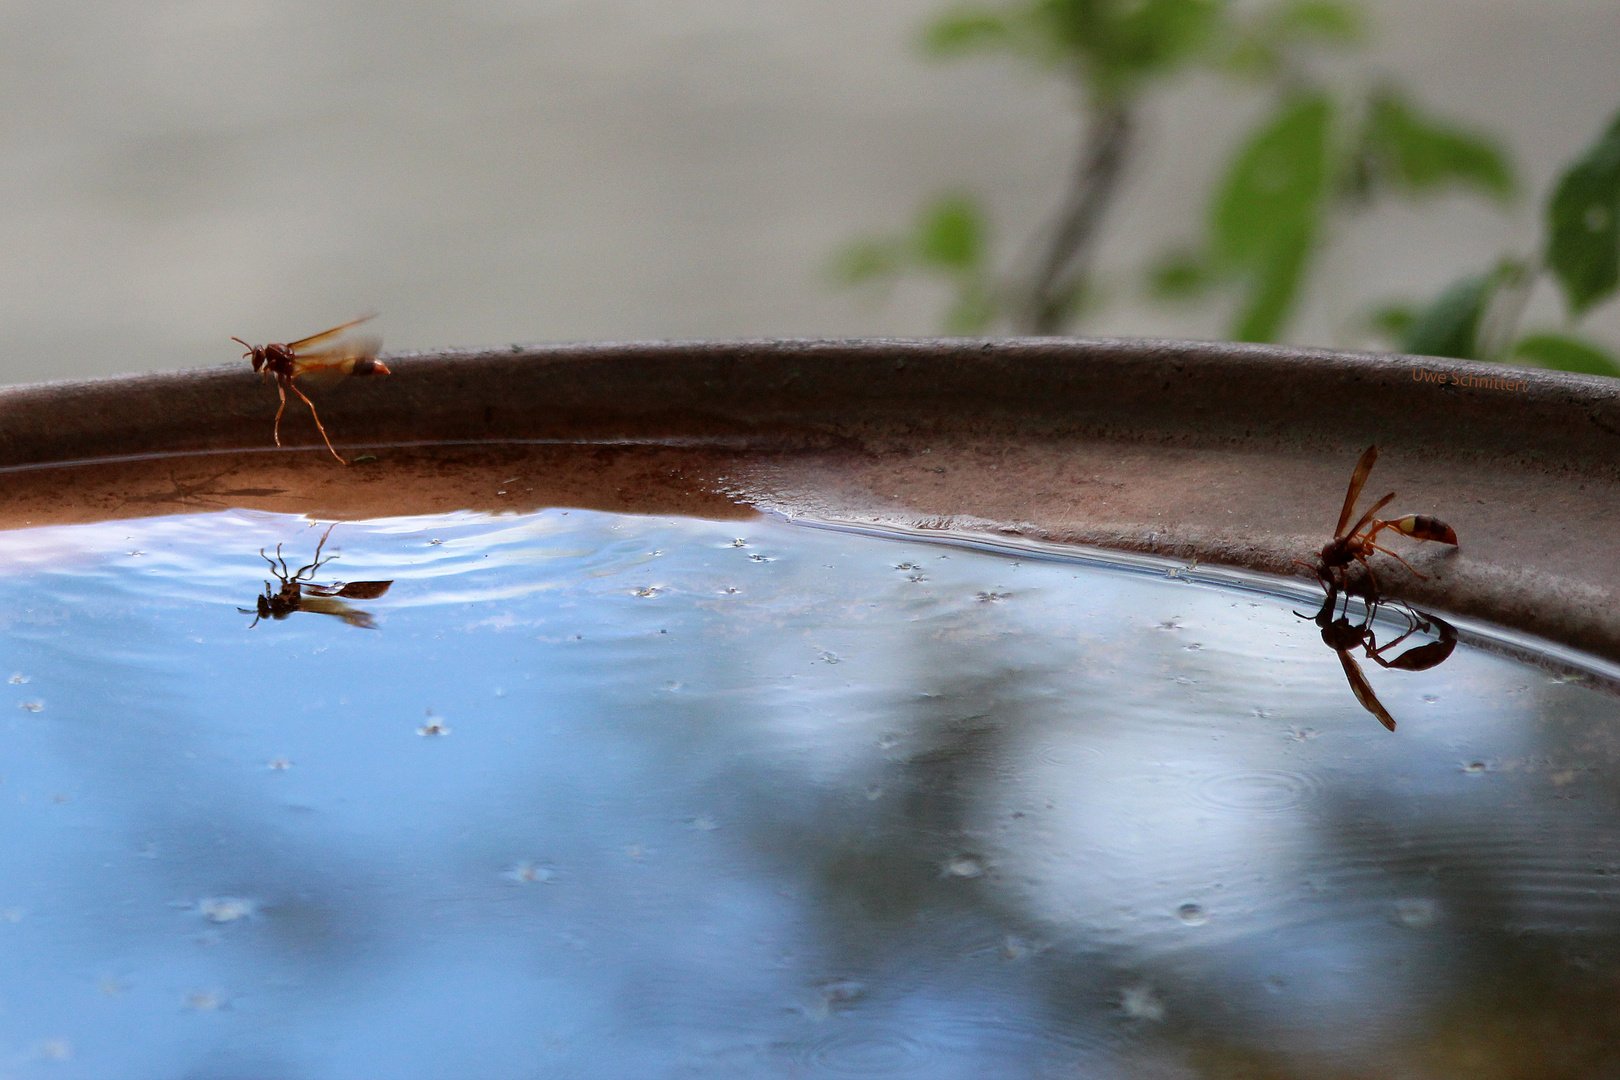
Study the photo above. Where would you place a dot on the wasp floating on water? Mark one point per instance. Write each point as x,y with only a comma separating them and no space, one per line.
298,592
1353,543
319,358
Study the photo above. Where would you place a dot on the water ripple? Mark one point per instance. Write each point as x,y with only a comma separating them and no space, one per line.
870,1051
1269,790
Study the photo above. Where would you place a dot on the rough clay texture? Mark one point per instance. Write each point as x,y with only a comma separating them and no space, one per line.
1225,453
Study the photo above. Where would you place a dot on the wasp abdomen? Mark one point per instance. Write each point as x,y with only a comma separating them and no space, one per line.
1424,527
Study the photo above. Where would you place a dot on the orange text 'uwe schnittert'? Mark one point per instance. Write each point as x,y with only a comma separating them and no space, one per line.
1480,381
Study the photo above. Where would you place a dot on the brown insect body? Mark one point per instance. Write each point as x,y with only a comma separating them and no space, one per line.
1343,636
297,593
319,356
1354,543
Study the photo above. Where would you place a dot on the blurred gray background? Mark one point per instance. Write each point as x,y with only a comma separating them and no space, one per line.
488,171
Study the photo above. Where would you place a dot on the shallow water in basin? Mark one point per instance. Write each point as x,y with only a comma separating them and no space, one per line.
609,796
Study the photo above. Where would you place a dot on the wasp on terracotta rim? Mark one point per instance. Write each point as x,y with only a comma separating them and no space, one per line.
298,592
316,359
1353,543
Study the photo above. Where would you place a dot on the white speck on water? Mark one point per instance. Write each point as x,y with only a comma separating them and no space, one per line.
1193,914
224,909
1141,1002
1416,914
529,873
55,1050
965,866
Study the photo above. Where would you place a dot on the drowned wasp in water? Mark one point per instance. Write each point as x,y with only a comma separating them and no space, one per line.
1353,543
317,358
1343,636
299,593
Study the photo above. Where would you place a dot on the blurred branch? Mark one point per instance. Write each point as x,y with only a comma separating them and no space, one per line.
1060,276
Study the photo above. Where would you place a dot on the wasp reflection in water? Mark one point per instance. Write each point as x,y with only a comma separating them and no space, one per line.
1344,637
298,591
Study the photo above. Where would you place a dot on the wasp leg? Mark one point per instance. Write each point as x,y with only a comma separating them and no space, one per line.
319,426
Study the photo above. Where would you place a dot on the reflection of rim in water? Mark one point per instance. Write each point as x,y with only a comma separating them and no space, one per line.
1269,790
868,1053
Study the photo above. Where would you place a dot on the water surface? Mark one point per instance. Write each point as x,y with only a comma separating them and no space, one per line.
611,796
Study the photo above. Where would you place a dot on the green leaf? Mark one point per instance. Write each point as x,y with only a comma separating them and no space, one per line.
972,314
1328,21
1180,275
1274,288
1264,219
865,261
1120,42
966,30
950,234
1450,325
1273,188
1421,155
1393,321
1260,50
1566,354
1583,225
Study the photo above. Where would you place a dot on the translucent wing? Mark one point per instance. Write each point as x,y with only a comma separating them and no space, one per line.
1368,516
331,605
1364,691
324,367
326,335
1357,480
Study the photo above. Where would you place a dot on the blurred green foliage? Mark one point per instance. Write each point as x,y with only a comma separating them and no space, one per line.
1321,149
1476,318
948,241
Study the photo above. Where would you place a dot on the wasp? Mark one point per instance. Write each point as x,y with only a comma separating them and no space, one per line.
1343,637
319,358
1353,543
298,592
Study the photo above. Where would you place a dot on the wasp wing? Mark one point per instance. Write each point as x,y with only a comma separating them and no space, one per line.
326,335
323,368
1358,478
1368,516
364,590
353,590
1364,691
331,605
